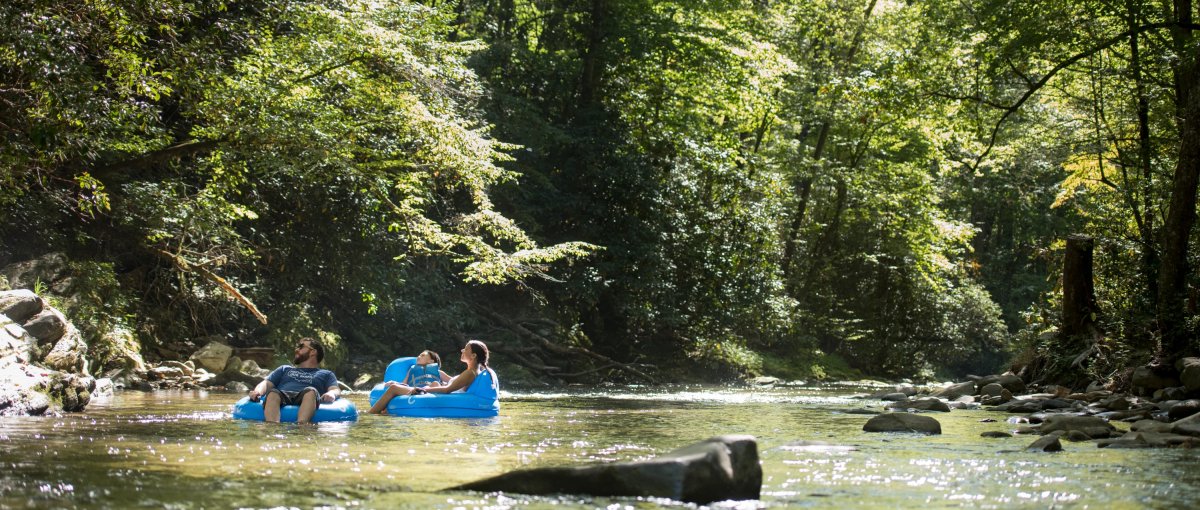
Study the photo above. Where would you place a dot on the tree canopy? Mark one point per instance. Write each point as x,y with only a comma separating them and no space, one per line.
614,189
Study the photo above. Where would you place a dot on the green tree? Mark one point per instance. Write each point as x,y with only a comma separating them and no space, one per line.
643,123
173,130
1111,79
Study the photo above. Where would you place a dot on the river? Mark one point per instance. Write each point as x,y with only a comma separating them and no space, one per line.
180,450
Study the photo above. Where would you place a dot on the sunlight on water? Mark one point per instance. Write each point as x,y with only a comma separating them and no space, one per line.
181,450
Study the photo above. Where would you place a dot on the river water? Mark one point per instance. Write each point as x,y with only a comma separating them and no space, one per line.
180,450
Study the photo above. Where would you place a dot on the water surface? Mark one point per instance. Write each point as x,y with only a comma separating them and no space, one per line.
181,450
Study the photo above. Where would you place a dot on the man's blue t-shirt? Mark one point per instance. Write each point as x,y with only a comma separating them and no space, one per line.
289,378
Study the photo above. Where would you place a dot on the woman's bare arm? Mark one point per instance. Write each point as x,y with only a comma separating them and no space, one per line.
458,382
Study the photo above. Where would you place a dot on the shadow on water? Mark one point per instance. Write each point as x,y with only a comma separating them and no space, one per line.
181,450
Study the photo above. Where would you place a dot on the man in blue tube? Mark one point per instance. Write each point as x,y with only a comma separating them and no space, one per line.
302,383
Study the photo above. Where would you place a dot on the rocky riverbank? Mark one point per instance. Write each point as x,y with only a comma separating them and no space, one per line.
1162,410
43,363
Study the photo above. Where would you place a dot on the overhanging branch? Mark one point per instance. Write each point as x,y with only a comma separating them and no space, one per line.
179,150
1037,86
183,265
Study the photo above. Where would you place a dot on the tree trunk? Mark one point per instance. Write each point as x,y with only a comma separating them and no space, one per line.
803,189
803,186
589,81
1181,212
1144,218
1181,217
828,244
1079,308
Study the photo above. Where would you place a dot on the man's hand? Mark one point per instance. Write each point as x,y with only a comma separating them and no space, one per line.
255,395
328,397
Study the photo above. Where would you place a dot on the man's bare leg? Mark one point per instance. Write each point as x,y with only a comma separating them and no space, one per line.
271,407
308,407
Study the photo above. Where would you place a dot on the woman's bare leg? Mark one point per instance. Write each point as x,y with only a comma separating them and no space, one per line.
380,406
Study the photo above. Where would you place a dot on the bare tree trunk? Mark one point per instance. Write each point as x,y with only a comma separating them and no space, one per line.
1181,212
1079,308
791,243
589,81
1144,219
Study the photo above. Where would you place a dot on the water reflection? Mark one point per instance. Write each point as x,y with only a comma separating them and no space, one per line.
181,450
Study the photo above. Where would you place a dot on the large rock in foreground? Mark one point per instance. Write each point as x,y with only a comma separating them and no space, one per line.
718,469
903,422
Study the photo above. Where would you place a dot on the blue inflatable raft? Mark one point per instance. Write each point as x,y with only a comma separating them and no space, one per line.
481,400
339,410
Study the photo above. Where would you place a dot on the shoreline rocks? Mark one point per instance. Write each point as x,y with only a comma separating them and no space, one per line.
1170,419
43,363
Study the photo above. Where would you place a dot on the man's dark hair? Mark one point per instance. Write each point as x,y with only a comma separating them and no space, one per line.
316,344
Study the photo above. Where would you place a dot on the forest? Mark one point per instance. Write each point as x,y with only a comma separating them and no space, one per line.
615,190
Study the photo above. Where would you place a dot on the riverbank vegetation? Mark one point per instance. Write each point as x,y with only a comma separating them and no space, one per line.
624,190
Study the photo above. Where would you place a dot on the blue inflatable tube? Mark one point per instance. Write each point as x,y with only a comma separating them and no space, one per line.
338,410
480,400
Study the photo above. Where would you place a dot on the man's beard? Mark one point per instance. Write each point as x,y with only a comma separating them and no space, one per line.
300,358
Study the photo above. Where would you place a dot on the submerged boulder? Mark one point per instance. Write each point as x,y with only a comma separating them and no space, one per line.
903,422
1047,443
1094,427
717,469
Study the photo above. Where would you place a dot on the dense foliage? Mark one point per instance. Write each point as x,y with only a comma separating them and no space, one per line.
613,188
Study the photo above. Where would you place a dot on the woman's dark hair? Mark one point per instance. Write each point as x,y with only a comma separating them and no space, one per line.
433,355
316,345
480,350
